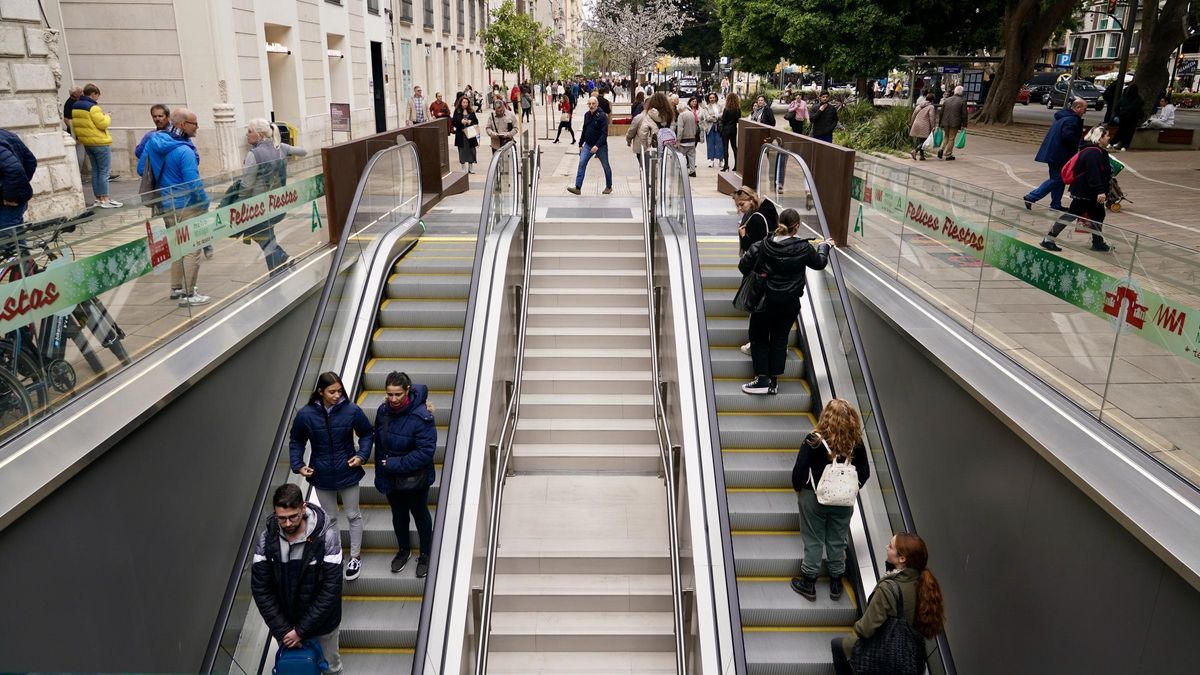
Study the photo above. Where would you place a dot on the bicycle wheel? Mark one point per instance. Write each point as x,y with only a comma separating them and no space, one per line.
15,409
27,372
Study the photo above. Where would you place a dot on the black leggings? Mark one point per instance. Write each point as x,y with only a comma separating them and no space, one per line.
769,330
730,142
417,503
1090,209
567,126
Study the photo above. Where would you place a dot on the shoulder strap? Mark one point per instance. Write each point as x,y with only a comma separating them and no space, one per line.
899,593
382,429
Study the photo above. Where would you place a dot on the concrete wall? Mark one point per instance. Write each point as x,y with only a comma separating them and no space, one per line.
123,568
1037,577
30,72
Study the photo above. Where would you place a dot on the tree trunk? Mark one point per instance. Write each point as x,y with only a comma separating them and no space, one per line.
1162,32
1028,24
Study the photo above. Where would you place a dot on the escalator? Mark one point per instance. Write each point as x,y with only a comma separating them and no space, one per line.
418,331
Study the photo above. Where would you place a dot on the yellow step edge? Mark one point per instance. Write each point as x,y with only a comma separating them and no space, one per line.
372,360
383,328
768,414
759,490
797,629
382,598
429,274
461,298
803,382
376,650
445,237
848,587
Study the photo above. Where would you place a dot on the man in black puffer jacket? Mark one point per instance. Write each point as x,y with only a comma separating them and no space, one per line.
296,579
17,165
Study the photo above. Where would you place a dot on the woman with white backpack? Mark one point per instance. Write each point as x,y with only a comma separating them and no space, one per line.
830,469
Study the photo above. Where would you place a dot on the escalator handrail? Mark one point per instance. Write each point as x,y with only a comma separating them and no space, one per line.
511,417
485,228
868,379
731,590
212,651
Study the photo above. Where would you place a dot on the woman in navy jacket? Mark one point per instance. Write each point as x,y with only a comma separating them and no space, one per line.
405,441
328,423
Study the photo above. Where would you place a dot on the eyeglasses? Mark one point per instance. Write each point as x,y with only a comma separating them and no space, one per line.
191,122
294,518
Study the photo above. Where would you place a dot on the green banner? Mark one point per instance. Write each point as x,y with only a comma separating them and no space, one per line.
1155,318
59,288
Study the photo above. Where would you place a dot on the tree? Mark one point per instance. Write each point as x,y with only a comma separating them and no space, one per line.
1162,31
512,39
633,32
596,58
1028,24
702,37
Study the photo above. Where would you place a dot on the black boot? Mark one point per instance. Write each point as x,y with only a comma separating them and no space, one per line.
805,586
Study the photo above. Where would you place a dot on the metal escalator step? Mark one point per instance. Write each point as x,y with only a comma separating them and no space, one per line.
733,363
733,331
764,431
403,312
417,342
759,469
720,277
376,577
763,510
790,652
440,264
375,662
423,285
369,495
371,399
589,663
772,602
767,555
380,622
793,396
377,529
437,374
719,302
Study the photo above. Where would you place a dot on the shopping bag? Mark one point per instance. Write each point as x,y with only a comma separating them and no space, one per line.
961,141
930,142
938,137
471,132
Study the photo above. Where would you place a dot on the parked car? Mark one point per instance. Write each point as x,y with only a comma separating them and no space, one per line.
1039,85
1023,95
1082,88
688,87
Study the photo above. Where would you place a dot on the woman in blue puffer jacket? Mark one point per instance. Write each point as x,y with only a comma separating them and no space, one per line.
406,438
329,423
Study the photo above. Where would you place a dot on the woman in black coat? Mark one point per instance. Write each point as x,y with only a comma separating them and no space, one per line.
783,259
1129,113
762,112
1089,190
729,123
464,117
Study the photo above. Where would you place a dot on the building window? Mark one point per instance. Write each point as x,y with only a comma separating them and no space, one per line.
472,4
406,10
373,7
1114,39
446,16
462,24
428,14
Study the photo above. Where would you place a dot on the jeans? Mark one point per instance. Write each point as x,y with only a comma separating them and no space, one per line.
1082,208
329,500
769,330
716,146
415,502
841,664
1052,186
101,156
823,528
585,155
11,216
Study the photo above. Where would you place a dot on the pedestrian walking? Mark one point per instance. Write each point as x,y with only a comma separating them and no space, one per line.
730,114
415,112
797,113
405,444
921,124
761,112
502,127
783,258
1128,117
90,125
1089,190
439,108
296,578
526,105
466,133
17,165
909,592
565,115
711,123
825,529
1059,145
824,119
160,115
328,424
263,170
659,113
639,104
954,117
687,131
593,142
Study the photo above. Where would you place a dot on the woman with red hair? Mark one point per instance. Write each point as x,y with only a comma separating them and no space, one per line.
911,586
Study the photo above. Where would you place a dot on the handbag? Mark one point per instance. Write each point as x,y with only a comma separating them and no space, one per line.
471,132
751,296
896,648
307,659
790,115
839,483
404,482
565,117
961,141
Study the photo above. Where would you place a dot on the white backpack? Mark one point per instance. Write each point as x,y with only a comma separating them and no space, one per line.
839,483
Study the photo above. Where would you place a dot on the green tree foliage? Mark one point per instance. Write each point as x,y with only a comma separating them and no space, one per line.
702,37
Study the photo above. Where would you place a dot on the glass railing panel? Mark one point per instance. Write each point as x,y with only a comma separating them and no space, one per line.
876,231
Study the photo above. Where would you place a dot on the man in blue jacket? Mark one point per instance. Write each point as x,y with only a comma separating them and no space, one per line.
17,165
1060,144
175,165
593,142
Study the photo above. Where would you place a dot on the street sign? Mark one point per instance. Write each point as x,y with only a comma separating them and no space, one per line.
951,69
1063,60
1187,67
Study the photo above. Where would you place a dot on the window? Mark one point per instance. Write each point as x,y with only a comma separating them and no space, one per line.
406,10
428,14
1114,39
373,7
461,23
446,16
1104,23
472,4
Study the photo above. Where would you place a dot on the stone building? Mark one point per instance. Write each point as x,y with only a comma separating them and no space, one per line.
30,74
288,60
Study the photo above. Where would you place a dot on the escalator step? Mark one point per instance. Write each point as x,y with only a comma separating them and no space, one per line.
767,555
765,510
768,601
793,396
380,621
444,312
764,431
799,652
376,577
376,662
371,399
377,529
766,469
437,374
734,331
416,342
422,285
733,363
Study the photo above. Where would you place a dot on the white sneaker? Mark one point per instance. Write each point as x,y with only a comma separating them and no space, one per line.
115,203
193,300
353,568
745,349
110,204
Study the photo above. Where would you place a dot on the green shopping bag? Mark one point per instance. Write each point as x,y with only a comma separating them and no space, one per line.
961,141
1116,164
938,137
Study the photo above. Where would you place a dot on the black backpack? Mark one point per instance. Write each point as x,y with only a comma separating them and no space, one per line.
896,648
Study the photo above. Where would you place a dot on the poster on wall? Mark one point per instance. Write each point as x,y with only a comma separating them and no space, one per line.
339,116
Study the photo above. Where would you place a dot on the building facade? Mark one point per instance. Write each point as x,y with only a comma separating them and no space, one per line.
288,60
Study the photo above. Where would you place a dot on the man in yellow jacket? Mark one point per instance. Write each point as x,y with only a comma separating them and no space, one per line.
91,130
